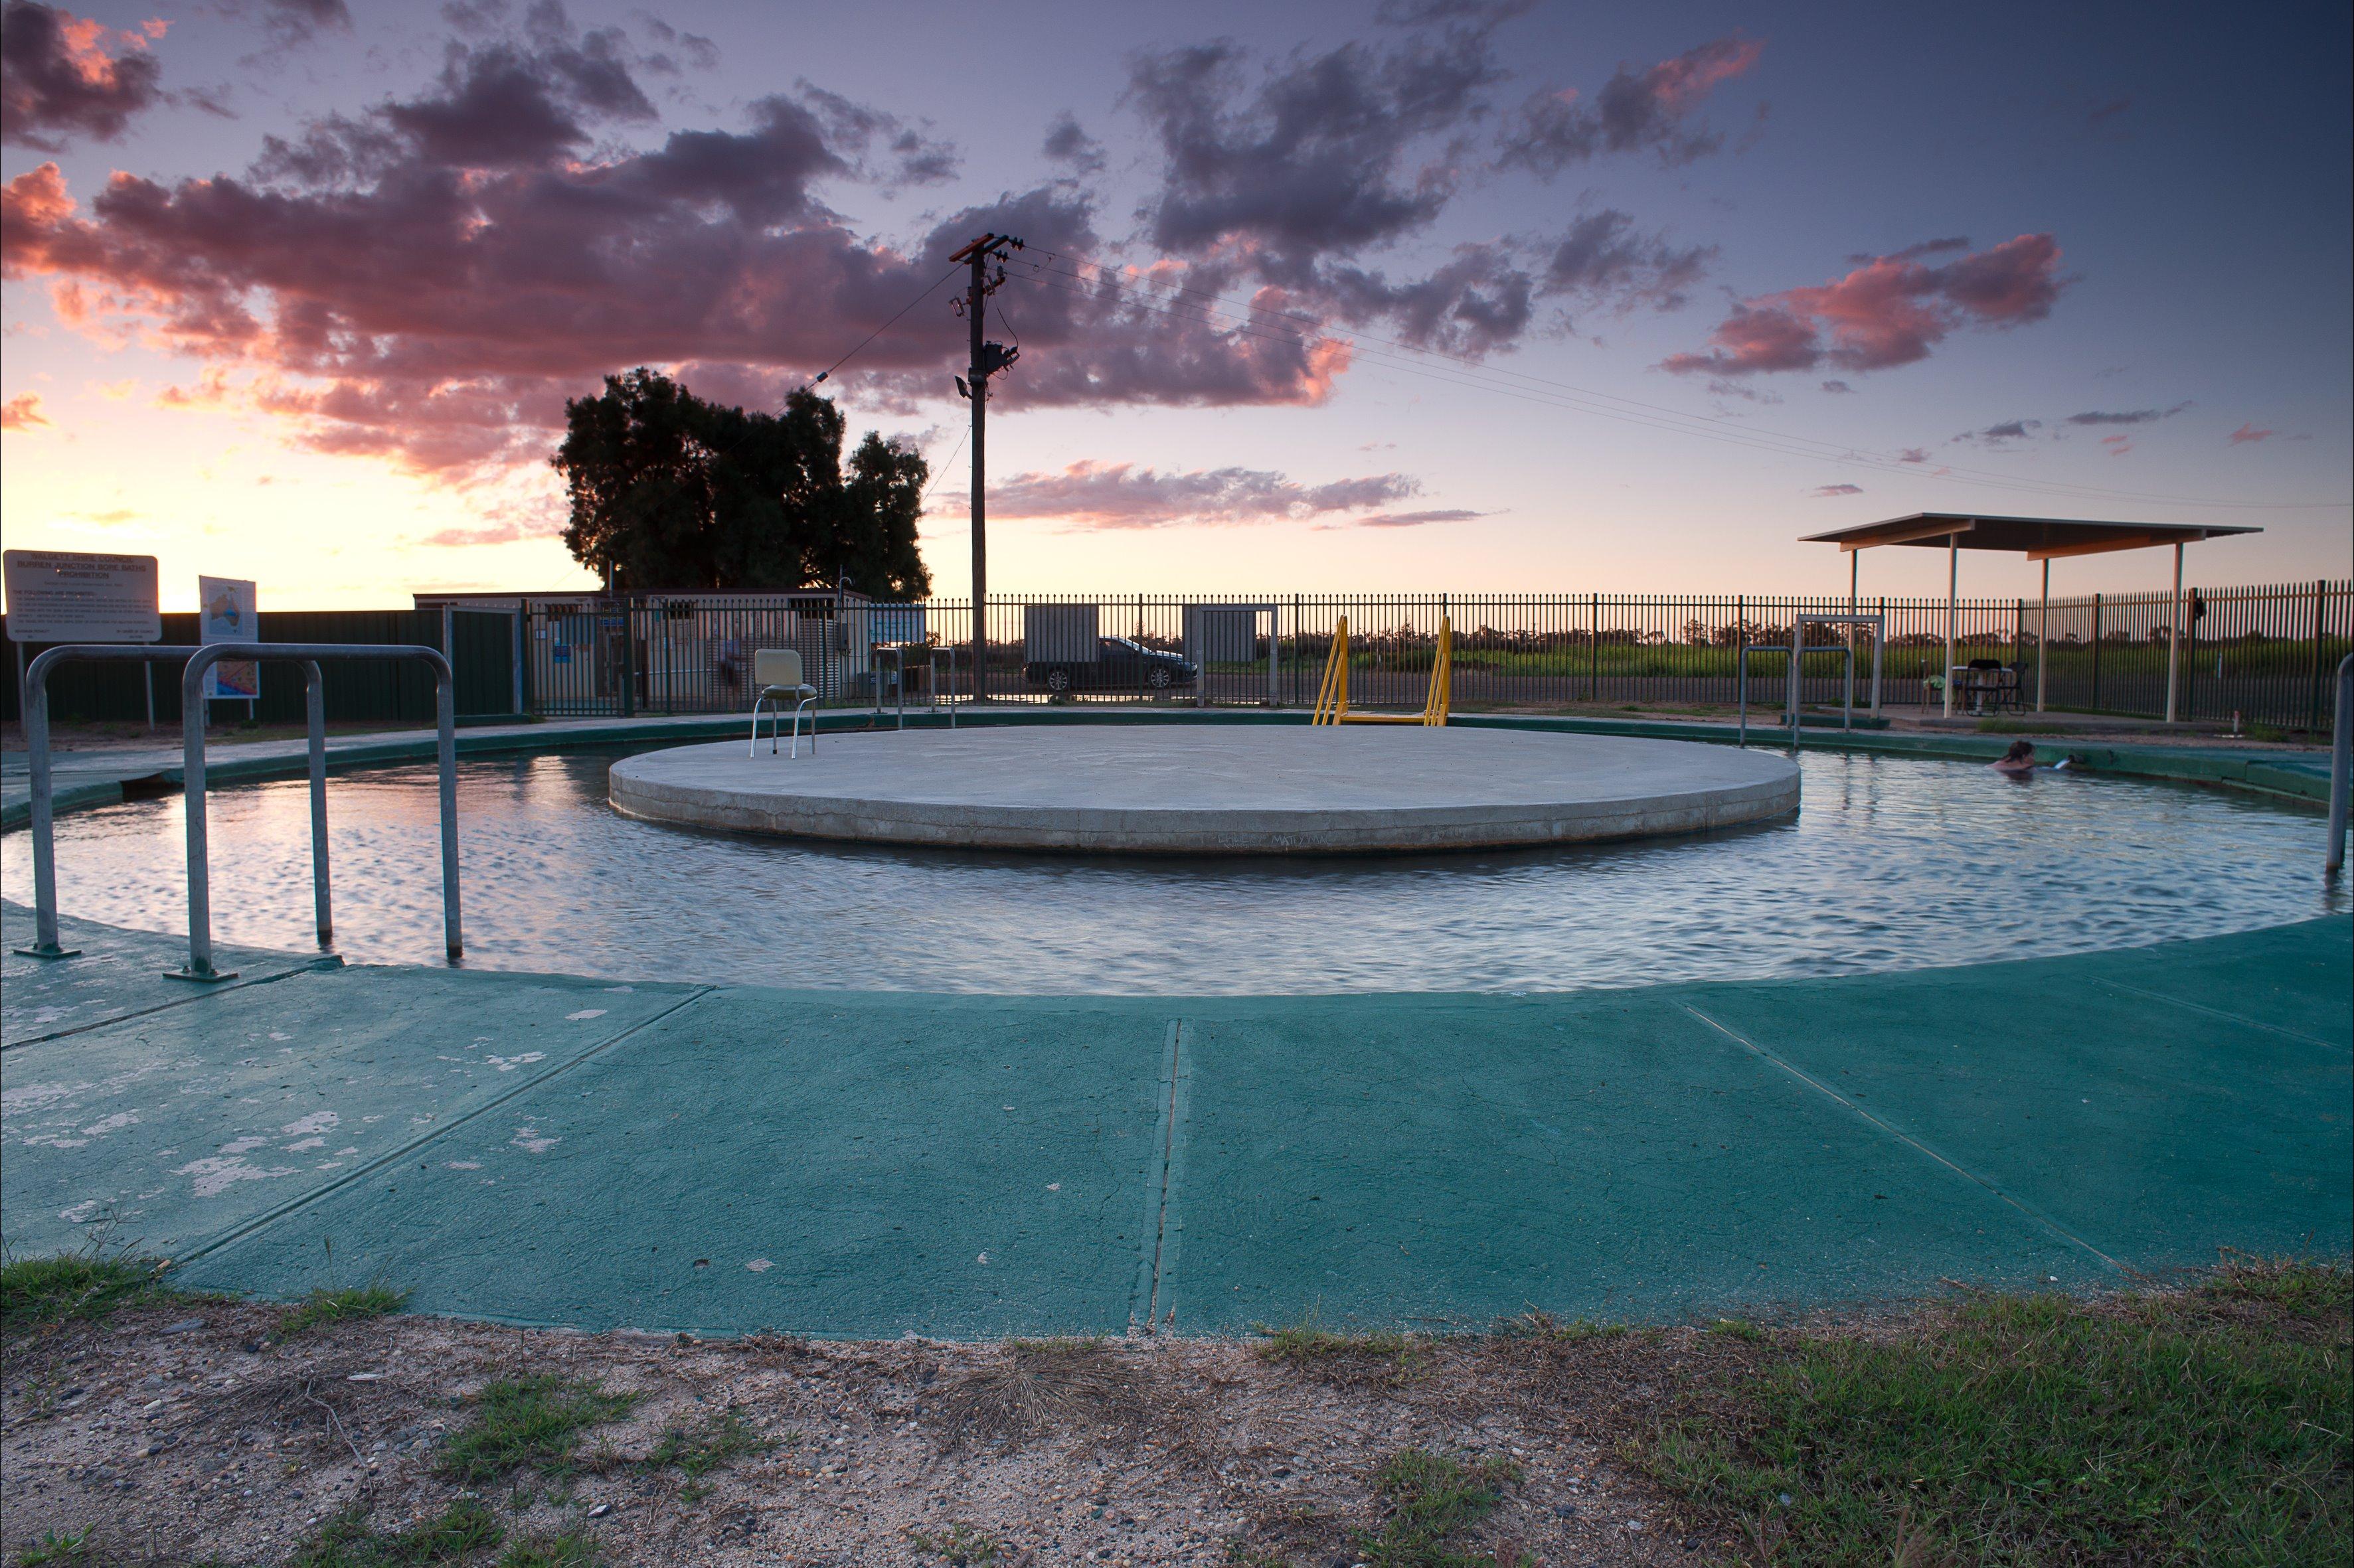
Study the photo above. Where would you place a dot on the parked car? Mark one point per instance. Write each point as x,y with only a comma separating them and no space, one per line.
1119,665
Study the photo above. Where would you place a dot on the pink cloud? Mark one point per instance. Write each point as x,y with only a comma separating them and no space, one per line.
1890,312
63,76
1121,495
429,280
2248,434
1839,489
23,413
1681,82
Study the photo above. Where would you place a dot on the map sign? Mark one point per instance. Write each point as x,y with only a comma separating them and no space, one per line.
224,613
64,596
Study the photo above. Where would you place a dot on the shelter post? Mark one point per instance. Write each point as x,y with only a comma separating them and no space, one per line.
2174,636
1953,591
1854,569
2043,633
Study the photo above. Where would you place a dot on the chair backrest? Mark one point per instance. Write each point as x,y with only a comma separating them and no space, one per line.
776,667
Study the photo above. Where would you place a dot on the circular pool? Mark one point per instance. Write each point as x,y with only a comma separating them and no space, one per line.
1892,863
1210,789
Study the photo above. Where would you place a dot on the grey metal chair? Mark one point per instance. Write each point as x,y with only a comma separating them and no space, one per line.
776,677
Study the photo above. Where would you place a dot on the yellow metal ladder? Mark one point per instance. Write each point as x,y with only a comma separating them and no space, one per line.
1333,697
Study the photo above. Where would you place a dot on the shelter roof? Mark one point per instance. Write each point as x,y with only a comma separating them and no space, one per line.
2038,538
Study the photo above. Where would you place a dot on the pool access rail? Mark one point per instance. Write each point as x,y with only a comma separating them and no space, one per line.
199,966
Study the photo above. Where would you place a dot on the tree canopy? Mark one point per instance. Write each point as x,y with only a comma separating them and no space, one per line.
670,492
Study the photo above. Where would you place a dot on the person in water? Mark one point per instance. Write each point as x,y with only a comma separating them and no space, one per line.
2018,761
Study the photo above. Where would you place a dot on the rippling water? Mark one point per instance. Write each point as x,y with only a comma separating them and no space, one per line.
1891,863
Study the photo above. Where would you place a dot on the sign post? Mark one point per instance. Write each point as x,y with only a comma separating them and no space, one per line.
67,595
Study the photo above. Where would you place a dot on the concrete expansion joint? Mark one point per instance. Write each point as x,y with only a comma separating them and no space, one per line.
394,1156
1170,1145
326,963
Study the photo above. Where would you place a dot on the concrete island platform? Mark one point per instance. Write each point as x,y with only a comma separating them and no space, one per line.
1211,791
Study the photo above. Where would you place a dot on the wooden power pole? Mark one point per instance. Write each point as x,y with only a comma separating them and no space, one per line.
987,359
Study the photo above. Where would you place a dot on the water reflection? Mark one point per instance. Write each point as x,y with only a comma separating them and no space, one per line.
1891,863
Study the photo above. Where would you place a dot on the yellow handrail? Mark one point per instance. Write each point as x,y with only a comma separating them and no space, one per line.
1333,697
1442,678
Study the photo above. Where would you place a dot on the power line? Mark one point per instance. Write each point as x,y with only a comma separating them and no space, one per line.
887,325
1462,370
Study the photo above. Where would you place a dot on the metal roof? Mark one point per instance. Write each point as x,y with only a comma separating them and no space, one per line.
2039,539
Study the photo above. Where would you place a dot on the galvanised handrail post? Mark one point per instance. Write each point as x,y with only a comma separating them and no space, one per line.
314,706
2342,764
42,781
199,966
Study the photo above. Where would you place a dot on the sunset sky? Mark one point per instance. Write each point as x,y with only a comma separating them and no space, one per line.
1384,296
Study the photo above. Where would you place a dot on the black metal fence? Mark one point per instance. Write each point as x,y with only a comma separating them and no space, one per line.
393,691
2266,653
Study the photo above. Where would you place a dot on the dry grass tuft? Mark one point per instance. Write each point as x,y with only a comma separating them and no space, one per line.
1041,1388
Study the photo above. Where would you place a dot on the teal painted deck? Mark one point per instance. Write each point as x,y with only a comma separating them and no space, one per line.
556,1151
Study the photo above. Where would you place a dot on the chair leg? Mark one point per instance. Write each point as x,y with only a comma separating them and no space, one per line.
754,749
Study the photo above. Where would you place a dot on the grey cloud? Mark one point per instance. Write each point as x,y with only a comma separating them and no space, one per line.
2009,431
1316,157
2133,417
1555,127
1602,256
1068,143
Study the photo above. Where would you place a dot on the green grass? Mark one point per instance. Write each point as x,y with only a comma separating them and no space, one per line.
1307,1345
36,1291
697,1451
960,1544
1536,1324
532,1423
468,1533
53,1549
324,1305
1433,1498
2205,1427
565,1548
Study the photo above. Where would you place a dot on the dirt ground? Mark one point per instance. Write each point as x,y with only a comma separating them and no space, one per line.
185,1433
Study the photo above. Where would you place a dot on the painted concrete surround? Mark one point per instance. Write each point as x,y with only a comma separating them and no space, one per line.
1211,791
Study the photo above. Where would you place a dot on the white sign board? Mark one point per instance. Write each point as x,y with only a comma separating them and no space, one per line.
62,596
224,613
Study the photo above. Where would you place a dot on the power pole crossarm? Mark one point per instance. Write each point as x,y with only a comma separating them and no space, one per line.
983,257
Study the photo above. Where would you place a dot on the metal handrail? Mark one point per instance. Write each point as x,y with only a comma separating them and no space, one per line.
192,724
2342,764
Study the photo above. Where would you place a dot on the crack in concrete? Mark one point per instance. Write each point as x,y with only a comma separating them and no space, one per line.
2046,1220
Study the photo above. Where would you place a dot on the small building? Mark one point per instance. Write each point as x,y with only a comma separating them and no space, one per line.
586,655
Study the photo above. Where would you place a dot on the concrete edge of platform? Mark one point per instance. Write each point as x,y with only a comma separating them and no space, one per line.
2280,778
676,786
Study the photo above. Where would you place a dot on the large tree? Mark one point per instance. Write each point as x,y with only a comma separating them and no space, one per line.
669,491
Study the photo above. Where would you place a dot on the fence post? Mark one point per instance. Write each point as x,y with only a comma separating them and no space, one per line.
1740,641
2096,704
2320,625
1594,653
629,658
